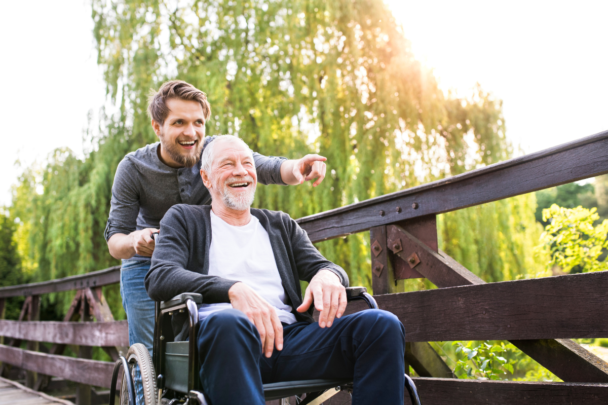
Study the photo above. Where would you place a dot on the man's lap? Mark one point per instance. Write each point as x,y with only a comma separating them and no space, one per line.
311,352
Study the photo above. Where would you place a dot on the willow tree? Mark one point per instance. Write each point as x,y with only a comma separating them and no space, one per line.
10,265
289,77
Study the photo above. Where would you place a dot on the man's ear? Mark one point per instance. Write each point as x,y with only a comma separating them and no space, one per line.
156,127
206,180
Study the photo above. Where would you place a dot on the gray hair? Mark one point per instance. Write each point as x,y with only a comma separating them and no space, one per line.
209,151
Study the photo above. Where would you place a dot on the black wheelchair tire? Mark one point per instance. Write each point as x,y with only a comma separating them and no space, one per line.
139,355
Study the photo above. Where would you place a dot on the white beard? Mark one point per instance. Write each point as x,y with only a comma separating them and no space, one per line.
239,202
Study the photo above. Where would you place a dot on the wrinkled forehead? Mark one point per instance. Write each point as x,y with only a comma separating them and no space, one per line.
231,150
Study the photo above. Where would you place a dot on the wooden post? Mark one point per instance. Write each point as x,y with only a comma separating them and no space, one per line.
71,316
2,314
33,315
101,311
383,276
420,355
83,392
5,368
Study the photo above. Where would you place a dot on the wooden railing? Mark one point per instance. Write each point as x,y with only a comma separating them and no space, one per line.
88,304
538,316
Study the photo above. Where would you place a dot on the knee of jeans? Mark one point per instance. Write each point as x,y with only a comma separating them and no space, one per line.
229,321
382,321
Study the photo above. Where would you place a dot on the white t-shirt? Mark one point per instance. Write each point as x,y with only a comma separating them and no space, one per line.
244,253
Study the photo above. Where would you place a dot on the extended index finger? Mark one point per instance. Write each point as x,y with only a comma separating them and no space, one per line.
313,158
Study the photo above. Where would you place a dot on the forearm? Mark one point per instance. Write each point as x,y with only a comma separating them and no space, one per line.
166,279
121,246
287,173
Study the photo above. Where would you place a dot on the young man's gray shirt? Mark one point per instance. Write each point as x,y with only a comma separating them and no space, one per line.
145,188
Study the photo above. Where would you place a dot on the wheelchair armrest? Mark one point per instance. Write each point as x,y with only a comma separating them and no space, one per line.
360,293
353,292
181,299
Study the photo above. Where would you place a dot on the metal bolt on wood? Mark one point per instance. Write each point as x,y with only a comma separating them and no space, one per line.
415,206
398,209
381,213
376,248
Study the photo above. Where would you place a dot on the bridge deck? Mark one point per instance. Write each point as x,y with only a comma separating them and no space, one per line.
14,393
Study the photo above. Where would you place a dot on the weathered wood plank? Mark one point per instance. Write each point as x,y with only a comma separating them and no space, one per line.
92,372
71,316
83,391
442,391
383,277
420,355
69,333
571,306
32,316
94,279
584,158
472,392
102,313
35,398
568,361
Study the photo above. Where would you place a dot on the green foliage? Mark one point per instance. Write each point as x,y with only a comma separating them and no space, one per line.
10,264
483,361
572,241
569,195
495,240
491,360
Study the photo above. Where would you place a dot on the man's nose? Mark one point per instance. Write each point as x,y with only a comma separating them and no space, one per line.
239,170
189,130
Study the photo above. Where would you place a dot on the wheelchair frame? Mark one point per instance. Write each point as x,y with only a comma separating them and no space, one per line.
169,360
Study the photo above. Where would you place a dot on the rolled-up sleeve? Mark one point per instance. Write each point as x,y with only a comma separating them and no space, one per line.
125,201
269,168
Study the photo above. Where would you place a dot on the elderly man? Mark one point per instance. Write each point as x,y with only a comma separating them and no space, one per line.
254,326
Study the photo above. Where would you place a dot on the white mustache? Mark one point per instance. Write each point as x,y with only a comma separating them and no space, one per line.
231,180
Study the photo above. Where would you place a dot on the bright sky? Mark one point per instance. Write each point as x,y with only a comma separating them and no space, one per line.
546,60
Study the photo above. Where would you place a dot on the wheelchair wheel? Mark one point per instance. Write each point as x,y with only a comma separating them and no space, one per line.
143,376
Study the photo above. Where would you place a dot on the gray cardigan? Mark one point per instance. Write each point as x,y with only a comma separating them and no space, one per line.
180,262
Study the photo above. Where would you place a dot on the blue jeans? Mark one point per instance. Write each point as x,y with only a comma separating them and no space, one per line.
136,302
140,311
368,347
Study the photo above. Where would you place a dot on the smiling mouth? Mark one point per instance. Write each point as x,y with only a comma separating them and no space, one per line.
187,143
239,185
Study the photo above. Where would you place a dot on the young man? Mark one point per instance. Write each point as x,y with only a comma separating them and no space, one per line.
247,264
152,179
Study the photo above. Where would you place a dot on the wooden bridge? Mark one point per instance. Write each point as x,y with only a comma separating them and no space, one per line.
538,316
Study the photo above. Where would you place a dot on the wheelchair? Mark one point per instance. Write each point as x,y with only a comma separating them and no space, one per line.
172,376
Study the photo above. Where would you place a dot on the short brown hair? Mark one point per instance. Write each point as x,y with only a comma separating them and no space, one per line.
157,107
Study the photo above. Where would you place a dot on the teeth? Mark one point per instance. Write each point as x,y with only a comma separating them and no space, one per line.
238,184
187,143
